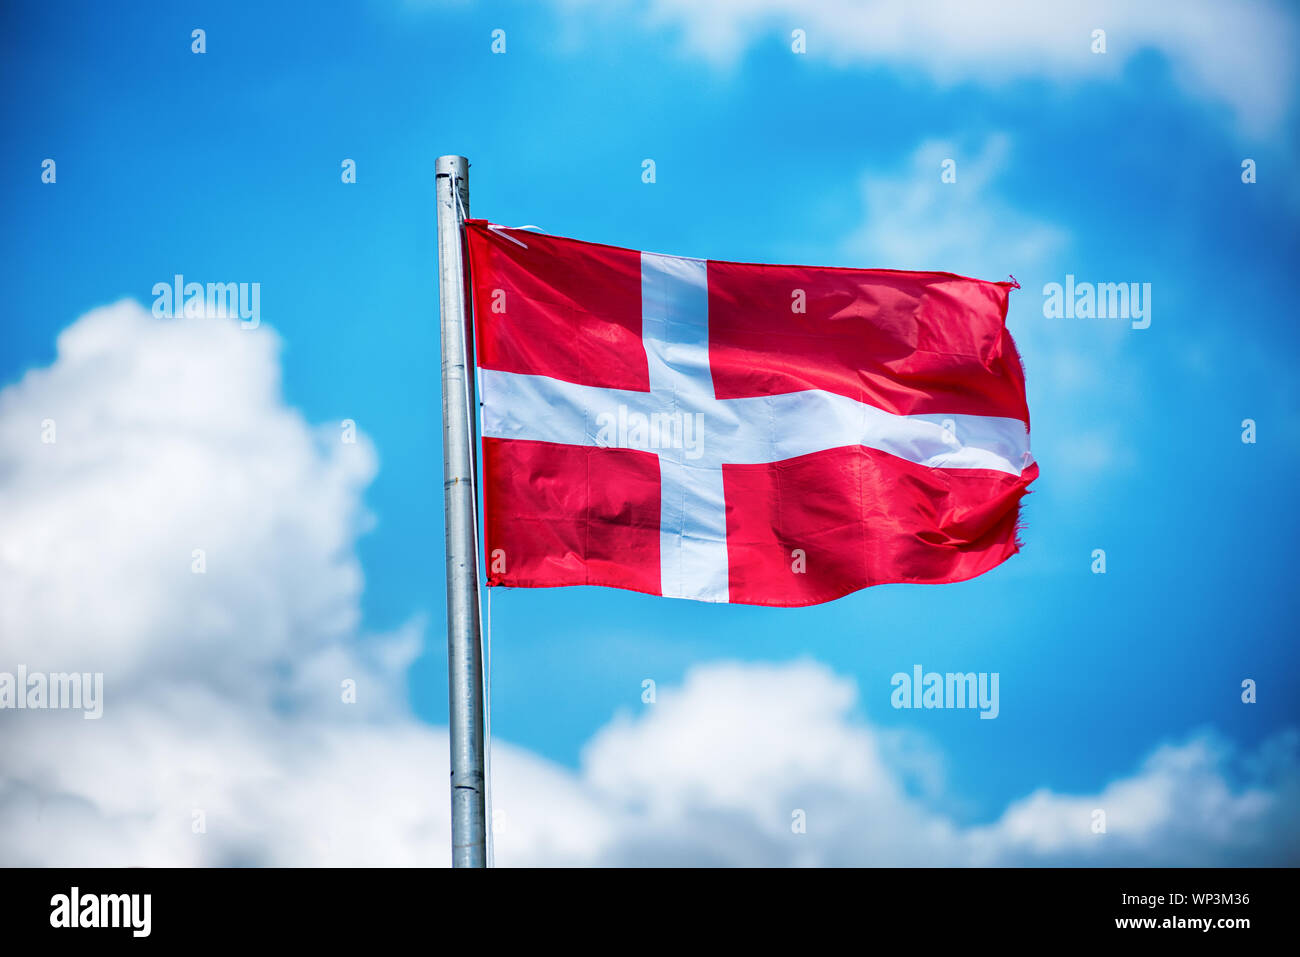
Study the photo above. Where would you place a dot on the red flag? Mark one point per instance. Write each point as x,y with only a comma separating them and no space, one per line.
768,435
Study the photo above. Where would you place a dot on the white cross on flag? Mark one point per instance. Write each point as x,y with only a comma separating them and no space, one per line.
733,432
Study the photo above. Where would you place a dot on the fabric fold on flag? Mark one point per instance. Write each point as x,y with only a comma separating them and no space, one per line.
736,432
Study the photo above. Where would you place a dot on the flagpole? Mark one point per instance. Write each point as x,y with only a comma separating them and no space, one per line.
464,645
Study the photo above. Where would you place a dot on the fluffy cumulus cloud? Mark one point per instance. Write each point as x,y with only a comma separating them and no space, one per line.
716,771
1237,55
224,738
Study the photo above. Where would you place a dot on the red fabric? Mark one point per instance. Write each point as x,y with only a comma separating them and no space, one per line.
905,342
572,310
568,515
862,517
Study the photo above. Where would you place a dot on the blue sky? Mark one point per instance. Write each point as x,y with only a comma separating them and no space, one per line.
1114,168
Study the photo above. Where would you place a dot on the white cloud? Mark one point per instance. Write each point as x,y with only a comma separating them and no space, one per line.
1177,810
914,220
222,690
714,771
171,437
1239,55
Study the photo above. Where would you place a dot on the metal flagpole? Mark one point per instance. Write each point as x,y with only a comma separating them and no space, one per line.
464,644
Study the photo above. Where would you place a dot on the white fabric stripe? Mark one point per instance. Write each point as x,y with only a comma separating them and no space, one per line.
752,431
693,516
692,532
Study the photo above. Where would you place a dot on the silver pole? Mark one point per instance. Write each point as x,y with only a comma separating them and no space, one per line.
464,648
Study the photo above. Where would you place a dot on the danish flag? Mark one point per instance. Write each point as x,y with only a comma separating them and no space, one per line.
734,432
